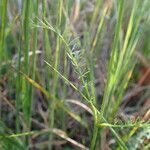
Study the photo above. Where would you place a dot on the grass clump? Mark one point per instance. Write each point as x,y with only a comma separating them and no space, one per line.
52,84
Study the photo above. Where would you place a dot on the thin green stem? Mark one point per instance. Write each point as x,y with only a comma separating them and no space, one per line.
2,29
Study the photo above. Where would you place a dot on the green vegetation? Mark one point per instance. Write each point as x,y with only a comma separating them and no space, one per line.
71,74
